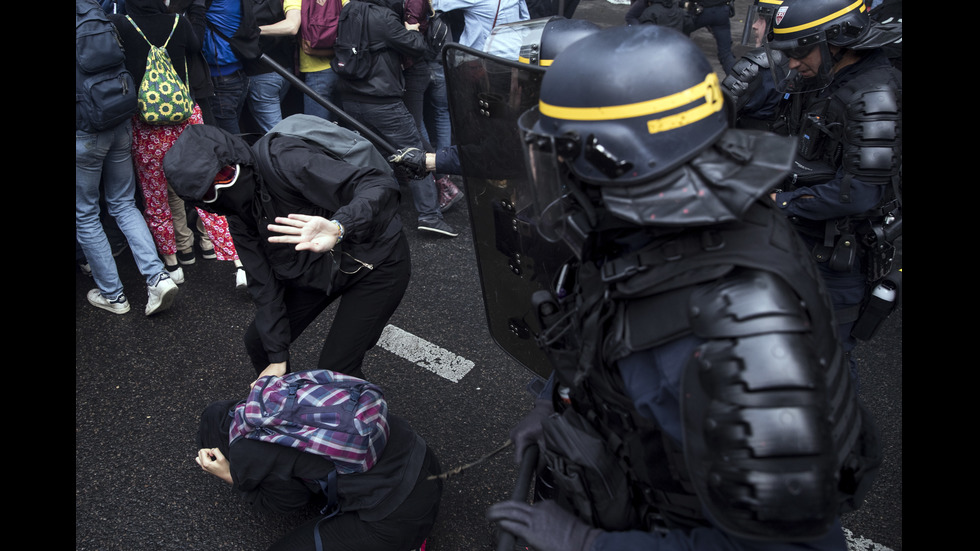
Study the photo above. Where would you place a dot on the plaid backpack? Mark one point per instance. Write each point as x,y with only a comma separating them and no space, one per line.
331,414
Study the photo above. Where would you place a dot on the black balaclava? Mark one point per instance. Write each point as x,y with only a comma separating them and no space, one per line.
195,159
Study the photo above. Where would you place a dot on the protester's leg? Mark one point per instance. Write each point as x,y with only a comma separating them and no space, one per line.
321,82
153,185
265,95
228,101
398,126
417,79
364,310
437,124
405,528
182,232
120,198
302,308
90,153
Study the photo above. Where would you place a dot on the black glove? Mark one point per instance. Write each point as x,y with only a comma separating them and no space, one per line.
528,430
545,526
409,163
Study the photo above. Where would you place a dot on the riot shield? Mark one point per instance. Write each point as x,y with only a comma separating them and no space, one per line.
487,94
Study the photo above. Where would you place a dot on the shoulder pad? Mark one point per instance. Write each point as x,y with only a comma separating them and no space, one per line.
873,130
764,410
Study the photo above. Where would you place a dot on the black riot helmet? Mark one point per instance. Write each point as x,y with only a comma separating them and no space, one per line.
537,41
618,109
631,132
559,33
758,21
806,30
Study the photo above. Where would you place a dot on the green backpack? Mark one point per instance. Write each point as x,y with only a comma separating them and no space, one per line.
163,97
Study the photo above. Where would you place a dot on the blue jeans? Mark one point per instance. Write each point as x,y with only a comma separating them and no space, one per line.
322,82
265,95
230,92
716,19
395,124
417,79
106,158
438,128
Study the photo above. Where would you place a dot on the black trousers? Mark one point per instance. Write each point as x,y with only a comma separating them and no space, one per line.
403,530
366,303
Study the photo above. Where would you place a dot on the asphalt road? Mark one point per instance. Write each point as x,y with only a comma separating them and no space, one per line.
141,383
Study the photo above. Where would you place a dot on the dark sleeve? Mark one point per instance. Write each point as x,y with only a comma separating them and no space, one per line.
398,38
266,476
822,201
363,200
191,37
266,290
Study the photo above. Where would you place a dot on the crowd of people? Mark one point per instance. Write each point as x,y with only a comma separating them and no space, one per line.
722,237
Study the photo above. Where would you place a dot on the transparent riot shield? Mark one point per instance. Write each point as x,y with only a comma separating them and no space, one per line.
487,94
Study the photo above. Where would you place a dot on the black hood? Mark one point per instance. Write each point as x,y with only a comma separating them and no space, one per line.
213,432
146,7
195,159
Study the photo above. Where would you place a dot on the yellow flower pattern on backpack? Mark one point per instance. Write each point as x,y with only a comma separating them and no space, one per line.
163,97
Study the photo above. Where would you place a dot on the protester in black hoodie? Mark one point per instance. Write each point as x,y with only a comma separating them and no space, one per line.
376,101
363,256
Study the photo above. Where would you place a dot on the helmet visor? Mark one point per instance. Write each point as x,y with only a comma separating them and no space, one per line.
549,193
800,68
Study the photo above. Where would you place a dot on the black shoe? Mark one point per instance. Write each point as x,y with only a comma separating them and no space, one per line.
186,258
437,226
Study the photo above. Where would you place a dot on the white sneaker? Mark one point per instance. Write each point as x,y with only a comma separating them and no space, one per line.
240,281
118,305
161,295
176,274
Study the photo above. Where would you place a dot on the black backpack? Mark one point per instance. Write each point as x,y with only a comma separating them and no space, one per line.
105,93
353,51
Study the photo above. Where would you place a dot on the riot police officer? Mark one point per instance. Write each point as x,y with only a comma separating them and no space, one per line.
839,94
699,397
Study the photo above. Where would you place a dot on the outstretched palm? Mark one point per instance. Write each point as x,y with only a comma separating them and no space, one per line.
308,233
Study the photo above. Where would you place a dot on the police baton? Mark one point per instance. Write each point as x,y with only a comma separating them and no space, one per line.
383,146
528,464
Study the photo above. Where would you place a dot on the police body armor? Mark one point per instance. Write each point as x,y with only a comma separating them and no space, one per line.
857,125
775,441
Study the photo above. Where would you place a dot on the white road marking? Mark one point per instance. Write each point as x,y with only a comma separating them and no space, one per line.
857,543
425,354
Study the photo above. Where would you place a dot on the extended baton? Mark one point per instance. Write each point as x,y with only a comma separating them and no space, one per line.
528,464
350,121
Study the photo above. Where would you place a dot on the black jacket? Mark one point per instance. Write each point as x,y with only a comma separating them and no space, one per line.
156,23
281,479
364,200
385,83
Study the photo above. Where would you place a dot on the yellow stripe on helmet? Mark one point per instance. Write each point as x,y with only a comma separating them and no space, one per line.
708,90
858,4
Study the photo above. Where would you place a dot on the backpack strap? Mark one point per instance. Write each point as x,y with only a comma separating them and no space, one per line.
331,509
176,20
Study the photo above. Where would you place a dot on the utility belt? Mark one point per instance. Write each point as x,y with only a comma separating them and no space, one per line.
840,243
697,7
